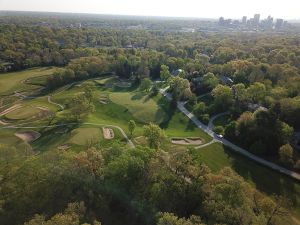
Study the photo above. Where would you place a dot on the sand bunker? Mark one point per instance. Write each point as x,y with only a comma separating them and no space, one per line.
186,141
108,133
42,108
103,102
28,136
64,147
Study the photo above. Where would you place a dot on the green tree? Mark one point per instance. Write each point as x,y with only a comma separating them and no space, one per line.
199,109
146,84
286,153
210,81
164,72
154,134
223,97
171,219
79,106
131,126
180,88
257,92
219,130
89,92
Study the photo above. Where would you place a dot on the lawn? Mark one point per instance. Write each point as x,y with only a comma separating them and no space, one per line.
25,112
81,136
216,157
15,81
7,137
140,105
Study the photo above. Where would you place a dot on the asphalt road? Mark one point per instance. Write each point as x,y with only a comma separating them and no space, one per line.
233,147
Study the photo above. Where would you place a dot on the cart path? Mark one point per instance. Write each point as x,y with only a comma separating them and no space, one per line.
225,142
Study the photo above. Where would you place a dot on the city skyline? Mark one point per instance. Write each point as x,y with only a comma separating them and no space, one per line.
190,8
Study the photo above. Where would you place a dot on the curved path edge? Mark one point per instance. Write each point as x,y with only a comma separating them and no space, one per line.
229,144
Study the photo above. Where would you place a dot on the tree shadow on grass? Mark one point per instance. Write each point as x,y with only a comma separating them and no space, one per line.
138,96
266,180
190,126
52,137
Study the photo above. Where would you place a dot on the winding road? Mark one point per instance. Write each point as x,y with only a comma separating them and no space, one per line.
233,147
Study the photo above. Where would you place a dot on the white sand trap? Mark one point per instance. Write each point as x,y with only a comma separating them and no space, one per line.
103,102
42,108
187,141
10,109
28,136
108,133
64,147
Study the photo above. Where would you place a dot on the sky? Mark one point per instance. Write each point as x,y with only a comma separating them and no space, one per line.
286,9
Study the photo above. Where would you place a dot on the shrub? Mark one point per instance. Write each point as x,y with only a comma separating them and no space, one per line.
219,130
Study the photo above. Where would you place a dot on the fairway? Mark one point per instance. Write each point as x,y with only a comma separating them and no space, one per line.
81,136
25,112
143,108
216,157
15,81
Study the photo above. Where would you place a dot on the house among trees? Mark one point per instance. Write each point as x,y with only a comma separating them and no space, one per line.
5,66
226,80
177,72
253,107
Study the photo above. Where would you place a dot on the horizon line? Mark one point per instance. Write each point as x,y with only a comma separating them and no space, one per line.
135,15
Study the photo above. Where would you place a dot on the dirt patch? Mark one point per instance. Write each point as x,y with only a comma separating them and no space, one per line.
10,109
108,133
187,141
28,136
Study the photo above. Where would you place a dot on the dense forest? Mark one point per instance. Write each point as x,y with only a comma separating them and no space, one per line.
254,76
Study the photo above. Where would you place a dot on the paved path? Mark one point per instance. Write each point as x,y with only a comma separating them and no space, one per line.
54,103
130,143
225,142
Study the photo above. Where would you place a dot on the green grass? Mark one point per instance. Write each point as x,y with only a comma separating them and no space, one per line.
15,81
40,80
24,112
216,157
7,137
82,135
142,107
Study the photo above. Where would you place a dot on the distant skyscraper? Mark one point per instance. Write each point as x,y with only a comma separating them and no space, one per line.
256,19
244,20
279,23
221,20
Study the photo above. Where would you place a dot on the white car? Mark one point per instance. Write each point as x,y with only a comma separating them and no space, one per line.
219,135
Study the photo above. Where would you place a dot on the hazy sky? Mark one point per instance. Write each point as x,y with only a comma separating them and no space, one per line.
287,9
